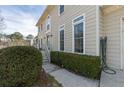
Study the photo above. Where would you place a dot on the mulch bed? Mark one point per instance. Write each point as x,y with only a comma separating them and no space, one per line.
45,80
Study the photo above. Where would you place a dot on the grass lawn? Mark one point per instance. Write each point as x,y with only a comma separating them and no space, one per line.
45,80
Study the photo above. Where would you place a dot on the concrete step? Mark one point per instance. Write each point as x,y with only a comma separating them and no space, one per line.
45,60
45,57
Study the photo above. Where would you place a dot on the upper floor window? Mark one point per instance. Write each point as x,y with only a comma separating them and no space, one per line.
48,23
61,9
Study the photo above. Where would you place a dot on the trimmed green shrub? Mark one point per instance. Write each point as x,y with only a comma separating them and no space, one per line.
85,65
19,66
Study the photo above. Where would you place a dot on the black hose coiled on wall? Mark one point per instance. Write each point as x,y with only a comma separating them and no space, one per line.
103,48
104,68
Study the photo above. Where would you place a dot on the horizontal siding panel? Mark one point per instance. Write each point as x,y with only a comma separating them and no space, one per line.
72,11
112,30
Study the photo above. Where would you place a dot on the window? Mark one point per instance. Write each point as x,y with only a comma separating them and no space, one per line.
62,38
48,23
48,26
41,27
61,9
38,29
78,25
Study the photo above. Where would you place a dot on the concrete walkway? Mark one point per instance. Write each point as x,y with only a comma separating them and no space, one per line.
116,80
68,79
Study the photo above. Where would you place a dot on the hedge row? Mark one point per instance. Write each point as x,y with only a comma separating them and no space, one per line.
85,65
19,66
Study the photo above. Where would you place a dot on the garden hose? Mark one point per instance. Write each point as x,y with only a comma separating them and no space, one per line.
104,68
107,69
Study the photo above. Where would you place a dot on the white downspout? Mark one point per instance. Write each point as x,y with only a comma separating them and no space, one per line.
97,30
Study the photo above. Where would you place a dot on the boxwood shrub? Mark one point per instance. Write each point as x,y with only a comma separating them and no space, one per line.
19,66
85,65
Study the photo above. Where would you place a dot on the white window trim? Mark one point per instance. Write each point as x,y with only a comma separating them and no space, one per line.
48,23
40,42
97,31
61,27
41,28
59,11
73,43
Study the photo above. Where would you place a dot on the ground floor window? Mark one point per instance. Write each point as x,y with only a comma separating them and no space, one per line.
61,39
78,25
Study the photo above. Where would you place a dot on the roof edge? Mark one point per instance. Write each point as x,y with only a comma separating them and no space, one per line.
46,12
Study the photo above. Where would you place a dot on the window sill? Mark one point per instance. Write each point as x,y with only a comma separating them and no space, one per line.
72,52
78,53
62,51
48,31
61,14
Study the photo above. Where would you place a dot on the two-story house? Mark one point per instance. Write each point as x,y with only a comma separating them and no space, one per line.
78,29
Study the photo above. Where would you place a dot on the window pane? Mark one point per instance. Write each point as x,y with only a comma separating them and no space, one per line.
48,26
81,45
62,40
62,35
77,45
61,9
48,23
78,30
62,45
78,19
38,29
78,37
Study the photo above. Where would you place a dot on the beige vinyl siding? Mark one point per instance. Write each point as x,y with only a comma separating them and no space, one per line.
112,31
66,18
42,34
